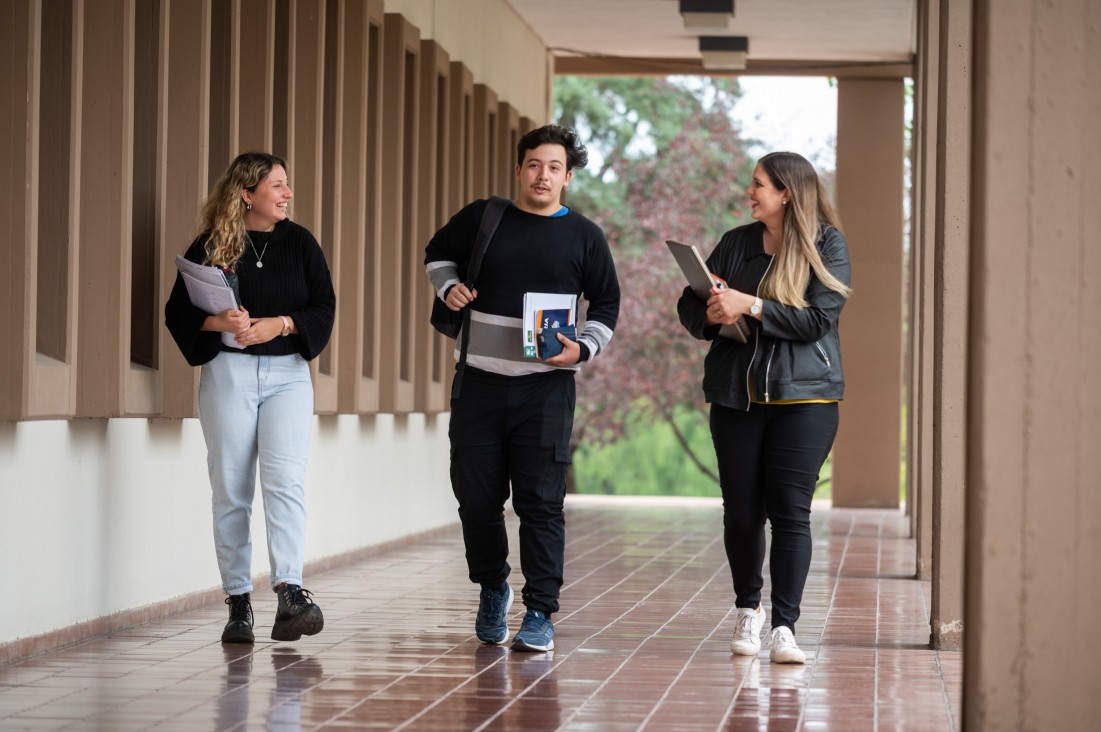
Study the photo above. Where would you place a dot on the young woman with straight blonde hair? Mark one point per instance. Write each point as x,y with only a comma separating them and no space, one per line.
774,398
256,399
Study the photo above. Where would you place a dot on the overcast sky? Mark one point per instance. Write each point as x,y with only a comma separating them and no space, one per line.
797,114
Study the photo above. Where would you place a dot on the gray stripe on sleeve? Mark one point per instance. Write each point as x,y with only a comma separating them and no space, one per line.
442,274
596,336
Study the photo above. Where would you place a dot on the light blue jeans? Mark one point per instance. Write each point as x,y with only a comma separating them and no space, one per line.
257,409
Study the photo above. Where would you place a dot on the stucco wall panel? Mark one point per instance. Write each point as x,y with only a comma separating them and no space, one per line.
1034,528
493,42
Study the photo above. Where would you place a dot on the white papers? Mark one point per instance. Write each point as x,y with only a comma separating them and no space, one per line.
209,291
535,303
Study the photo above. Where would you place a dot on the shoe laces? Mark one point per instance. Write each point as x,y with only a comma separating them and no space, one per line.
783,639
533,621
297,596
239,607
493,602
745,624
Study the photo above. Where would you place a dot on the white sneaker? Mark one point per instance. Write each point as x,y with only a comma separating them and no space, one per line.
784,649
747,632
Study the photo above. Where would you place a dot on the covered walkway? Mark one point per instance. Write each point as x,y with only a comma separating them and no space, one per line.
642,643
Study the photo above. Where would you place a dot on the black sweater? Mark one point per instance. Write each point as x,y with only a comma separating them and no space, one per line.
294,281
529,253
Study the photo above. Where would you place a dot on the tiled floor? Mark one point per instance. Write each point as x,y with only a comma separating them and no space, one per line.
642,643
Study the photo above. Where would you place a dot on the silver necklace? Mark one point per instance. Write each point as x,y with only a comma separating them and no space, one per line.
260,256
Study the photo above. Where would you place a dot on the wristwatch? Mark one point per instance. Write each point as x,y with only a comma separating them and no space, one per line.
755,308
286,326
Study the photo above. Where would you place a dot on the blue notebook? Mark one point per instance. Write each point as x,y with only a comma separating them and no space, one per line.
550,323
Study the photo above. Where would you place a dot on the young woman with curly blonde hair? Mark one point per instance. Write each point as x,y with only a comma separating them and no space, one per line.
256,398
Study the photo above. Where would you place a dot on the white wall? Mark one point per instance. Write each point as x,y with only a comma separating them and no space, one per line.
108,515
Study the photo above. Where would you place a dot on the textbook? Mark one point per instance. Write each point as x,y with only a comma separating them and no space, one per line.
546,310
701,281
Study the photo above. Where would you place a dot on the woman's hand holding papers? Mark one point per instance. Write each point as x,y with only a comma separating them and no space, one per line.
229,321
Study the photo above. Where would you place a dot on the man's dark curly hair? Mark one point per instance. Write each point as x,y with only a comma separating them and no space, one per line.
576,156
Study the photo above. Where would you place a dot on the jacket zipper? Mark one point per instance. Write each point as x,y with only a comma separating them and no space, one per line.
756,343
768,367
823,352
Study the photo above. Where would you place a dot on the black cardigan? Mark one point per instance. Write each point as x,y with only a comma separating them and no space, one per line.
294,281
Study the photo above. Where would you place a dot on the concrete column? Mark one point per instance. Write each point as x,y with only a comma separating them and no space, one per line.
253,74
869,199
306,139
1034,508
187,135
105,180
950,331
431,376
919,452
17,134
401,52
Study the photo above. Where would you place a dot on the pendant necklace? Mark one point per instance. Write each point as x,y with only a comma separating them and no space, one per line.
260,256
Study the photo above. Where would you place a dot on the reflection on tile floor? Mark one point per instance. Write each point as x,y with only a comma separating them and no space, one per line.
642,643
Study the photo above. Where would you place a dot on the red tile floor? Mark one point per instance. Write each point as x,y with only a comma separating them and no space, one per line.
642,643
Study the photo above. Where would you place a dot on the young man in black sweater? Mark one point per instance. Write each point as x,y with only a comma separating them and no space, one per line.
511,421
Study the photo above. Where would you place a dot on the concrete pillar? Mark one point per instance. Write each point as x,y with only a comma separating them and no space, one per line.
919,450
1034,509
105,179
869,200
21,23
187,135
950,331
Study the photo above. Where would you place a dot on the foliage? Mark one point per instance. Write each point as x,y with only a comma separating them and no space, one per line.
672,166
650,462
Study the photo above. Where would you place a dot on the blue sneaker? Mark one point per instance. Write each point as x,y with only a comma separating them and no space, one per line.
536,634
491,625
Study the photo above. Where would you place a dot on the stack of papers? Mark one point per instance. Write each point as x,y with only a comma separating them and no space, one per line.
544,309
209,291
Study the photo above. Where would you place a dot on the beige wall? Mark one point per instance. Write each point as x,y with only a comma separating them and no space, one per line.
1033,645
121,118
116,116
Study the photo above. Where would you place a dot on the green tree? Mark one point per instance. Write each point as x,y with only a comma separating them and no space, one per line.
669,162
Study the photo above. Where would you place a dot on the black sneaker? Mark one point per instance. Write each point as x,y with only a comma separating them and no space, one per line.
239,627
297,614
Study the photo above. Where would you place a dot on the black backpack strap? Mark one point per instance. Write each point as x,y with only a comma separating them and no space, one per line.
491,217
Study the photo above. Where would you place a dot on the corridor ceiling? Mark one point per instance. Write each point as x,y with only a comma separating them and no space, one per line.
788,33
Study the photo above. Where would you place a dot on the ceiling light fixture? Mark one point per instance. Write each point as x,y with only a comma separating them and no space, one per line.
706,14
724,53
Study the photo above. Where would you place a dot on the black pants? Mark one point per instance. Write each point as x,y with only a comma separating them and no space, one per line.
769,458
513,429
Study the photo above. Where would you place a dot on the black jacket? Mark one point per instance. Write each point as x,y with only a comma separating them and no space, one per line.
792,353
